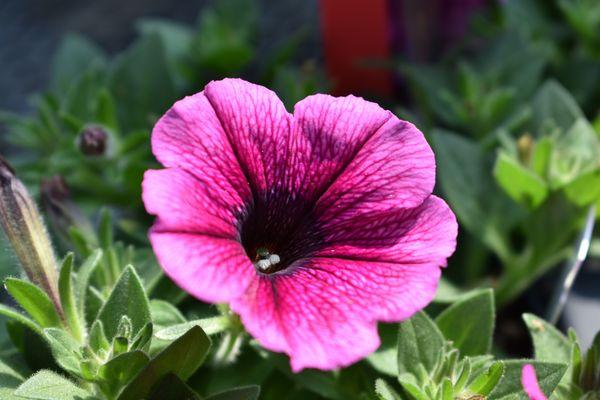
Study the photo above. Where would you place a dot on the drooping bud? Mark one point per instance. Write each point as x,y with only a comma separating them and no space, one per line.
24,228
92,141
62,212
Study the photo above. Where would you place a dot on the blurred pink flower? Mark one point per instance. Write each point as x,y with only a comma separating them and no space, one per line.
312,226
530,383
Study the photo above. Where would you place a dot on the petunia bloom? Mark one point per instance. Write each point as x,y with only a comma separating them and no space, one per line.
312,226
530,383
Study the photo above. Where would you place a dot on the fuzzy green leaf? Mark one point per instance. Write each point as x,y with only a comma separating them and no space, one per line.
548,374
165,314
65,349
485,383
385,391
127,298
549,344
121,369
20,318
47,385
241,393
67,298
210,326
420,342
34,301
182,358
473,334
520,183
83,279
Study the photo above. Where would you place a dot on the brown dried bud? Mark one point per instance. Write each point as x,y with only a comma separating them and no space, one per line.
92,141
24,228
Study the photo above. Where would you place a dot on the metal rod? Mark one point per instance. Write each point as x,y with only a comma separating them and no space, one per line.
571,268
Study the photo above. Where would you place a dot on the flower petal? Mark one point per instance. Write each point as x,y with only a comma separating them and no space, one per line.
530,383
190,136
329,132
257,126
211,269
324,313
185,203
394,169
425,234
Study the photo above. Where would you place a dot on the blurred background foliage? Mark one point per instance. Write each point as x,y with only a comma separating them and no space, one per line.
512,112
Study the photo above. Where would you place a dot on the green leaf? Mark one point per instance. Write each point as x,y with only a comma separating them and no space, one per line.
480,205
385,391
34,301
210,326
47,385
20,318
165,314
74,56
473,334
141,83
105,229
67,298
548,374
106,112
121,369
173,388
412,388
419,343
554,106
83,279
241,393
540,158
485,383
127,298
182,358
143,338
9,381
65,349
97,338
549,344
385,359
585,189
522,184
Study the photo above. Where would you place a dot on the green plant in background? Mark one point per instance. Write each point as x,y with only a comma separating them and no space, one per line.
443,359
92,126
517,156
537,187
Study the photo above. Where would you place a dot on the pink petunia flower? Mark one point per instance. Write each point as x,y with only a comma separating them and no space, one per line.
312,226
530,383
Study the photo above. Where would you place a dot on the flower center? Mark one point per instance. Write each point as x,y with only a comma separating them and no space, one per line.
265,261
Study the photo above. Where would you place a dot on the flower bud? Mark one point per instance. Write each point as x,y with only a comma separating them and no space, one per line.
92,141
525,147
20,219
61,211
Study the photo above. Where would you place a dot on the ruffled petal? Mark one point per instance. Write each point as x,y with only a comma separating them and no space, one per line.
190,136
184,202
328,134
425,234
323,314
258,128
394,169
211,269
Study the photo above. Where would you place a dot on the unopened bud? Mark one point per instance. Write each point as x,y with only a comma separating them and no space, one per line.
26,232
92,141
61,211
525,148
